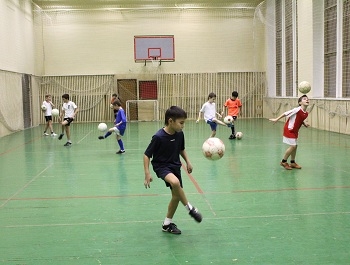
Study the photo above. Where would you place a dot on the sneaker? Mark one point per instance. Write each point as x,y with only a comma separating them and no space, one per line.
46,134
171,228
232,136
60,137
101,137
295,165
68,144
53,134
195,214
285,165
120,152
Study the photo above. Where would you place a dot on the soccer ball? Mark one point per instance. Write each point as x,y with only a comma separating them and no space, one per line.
43,107
111,106
213,148
239,135
55,112
304,87
102,127
228,120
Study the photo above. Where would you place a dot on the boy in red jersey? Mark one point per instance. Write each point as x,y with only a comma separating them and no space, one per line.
234,106
296,118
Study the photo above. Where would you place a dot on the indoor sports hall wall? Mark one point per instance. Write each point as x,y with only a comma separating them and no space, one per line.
89,53
84,42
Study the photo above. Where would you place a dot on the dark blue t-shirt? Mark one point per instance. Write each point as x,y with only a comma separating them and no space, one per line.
165,148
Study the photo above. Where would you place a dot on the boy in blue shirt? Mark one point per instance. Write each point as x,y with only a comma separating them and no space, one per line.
119,126
165,149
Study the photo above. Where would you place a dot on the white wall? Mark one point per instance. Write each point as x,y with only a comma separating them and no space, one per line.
17,38
101,42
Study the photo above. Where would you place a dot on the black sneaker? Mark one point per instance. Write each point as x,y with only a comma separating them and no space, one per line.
68,144
196,214
120,152
171,228
101,137
60,137
232,136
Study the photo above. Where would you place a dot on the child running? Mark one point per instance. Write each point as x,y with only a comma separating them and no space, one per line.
234,107
296,118
209,112
119,126
165,149
69,110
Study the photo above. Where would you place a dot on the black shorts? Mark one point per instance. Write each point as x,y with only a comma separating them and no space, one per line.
162,172
69,120
48,118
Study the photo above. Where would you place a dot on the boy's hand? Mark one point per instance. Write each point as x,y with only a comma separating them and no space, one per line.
189,168
148,180
273,120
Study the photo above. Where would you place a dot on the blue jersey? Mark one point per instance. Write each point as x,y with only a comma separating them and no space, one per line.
165,149
120,116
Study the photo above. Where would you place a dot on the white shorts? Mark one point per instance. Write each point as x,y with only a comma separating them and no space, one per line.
116,131
290,141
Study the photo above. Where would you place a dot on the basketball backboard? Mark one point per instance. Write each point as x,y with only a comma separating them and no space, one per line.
149,47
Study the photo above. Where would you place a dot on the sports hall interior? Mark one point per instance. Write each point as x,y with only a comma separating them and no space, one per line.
86,205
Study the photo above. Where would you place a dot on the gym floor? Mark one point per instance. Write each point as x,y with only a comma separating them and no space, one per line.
85,204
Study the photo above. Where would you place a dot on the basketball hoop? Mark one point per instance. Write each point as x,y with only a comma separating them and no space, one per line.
155,61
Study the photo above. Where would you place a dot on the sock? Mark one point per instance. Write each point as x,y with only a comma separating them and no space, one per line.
233,129
107,134
167,221
121,145
284,161
189,206
292,161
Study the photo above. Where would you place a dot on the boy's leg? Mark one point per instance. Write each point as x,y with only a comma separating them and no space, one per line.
293,164
178,194
62,130
288,152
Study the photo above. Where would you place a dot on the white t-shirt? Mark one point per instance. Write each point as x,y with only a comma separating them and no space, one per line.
48,108
209,110
69,109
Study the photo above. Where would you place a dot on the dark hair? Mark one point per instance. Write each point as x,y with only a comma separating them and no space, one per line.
114,95
116,103
211,95
300,99
174,112
65,96
235,94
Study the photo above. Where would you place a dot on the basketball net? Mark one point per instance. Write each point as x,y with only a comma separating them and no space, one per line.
155,61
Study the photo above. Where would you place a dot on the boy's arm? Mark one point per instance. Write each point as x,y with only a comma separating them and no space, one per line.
278,118
148,177
75,111
199,117
188,163
223,110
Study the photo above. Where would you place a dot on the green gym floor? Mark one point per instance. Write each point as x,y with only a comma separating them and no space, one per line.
85,204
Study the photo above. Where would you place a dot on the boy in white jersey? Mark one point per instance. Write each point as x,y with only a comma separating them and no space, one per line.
296,118
48,115
69,110
209,112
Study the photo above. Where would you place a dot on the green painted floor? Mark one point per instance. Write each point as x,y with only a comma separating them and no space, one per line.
86,205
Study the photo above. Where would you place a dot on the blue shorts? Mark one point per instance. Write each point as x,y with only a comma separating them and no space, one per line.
162,172
212,124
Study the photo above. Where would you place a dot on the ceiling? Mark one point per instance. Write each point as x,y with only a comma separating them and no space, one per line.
102,4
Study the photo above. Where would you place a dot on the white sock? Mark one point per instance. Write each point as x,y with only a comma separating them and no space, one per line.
189,206
167,221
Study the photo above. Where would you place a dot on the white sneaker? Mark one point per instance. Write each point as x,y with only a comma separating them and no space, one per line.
53,134
46,134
